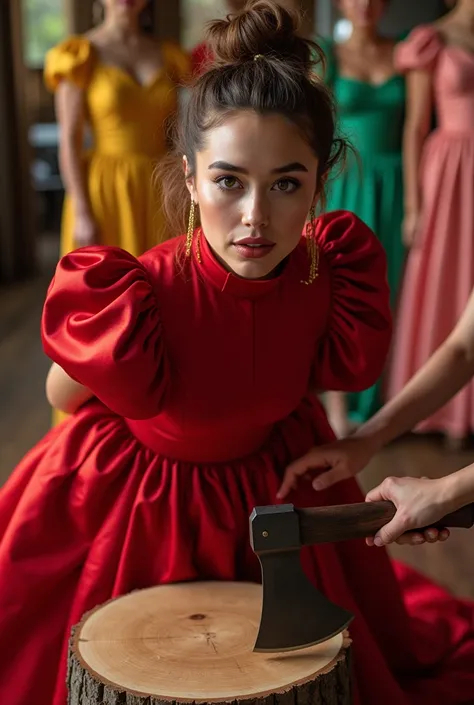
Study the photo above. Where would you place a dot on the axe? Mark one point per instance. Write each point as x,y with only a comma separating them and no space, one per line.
294,613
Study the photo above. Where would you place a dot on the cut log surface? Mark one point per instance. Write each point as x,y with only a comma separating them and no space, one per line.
193,642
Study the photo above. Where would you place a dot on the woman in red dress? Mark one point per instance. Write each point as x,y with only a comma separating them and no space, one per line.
189,371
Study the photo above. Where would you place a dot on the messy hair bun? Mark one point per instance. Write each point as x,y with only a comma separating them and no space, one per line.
261,64
263,28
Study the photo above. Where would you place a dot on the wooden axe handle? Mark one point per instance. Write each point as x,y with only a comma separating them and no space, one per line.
353,521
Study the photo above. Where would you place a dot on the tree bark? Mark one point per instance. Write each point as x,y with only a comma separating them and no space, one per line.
193,643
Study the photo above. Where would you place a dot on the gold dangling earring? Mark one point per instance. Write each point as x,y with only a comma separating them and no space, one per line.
190,233
198,245
191,224
313,249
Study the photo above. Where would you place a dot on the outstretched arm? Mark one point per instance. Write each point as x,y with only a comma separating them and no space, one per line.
445,373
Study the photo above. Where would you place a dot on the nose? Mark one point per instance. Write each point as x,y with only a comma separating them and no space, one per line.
257,211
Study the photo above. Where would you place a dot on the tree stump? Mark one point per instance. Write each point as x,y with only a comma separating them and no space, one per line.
193,643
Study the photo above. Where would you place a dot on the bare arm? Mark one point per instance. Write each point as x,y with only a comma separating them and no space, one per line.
445,373
458,489
64,393
69,102
416,129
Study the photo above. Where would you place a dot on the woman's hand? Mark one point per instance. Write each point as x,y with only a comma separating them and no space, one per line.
336,461
85,229
418,502
410,228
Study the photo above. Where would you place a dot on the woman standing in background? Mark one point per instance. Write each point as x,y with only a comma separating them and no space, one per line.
370,96
439,204
124,85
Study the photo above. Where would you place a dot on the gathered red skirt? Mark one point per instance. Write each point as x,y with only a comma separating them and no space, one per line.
91,513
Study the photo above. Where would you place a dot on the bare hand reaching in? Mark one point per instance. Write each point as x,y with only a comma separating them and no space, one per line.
336,461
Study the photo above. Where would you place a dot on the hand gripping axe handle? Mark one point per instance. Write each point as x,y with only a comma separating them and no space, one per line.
294,613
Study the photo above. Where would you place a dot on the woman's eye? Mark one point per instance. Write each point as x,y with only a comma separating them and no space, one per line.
286,185
227,183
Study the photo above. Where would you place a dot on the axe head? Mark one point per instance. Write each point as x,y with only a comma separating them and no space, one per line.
294,614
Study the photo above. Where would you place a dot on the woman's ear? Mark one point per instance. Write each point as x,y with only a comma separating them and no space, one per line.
190,181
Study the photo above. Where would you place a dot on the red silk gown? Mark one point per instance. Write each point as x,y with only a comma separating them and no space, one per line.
201,386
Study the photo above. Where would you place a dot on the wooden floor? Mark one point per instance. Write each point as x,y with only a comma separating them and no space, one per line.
25,417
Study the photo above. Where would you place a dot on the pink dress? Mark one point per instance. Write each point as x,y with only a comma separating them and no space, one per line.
440,269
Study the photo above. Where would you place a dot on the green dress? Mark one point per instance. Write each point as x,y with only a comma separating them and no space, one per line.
371,185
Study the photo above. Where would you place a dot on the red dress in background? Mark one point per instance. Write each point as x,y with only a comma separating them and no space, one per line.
201,58
201,381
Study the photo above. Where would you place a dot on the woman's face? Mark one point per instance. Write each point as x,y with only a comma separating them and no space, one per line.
362,13
255,184
125,7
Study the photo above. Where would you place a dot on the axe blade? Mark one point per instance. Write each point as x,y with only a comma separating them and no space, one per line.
294,614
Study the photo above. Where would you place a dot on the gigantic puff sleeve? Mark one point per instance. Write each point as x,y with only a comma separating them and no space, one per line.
351,354
71,60
419,51
101,324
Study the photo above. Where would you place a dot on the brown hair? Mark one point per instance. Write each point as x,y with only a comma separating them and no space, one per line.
261,64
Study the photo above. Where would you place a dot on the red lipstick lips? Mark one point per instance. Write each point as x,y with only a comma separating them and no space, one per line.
253,247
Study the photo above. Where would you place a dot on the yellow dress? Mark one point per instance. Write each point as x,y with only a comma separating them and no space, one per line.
128,128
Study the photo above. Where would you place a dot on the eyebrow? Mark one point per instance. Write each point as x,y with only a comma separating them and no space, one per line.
225,166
